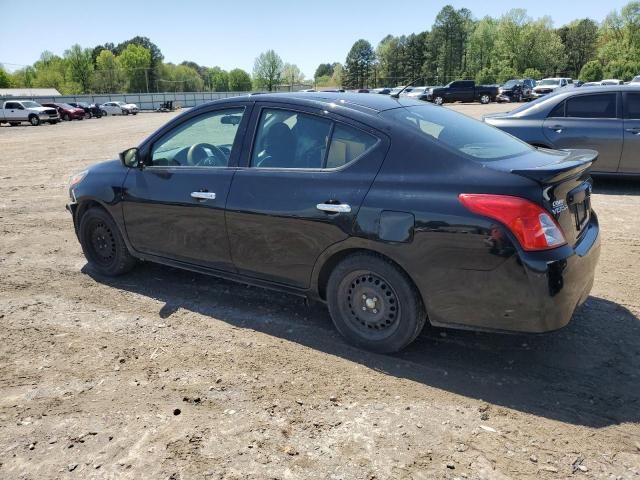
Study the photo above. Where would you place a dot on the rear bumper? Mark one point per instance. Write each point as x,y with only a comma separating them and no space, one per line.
531,292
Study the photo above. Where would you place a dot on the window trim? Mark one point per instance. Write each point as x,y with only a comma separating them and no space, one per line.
237,142
297,109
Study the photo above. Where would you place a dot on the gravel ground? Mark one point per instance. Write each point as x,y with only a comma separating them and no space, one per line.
165,374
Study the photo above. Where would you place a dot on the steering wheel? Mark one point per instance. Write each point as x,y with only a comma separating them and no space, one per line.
218,159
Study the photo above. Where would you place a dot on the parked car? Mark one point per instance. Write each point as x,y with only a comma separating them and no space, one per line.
119,108
90,109
392,211
516,90
612,81
550,85
463,91
606,119
419,93
15,112
66,111
635,79
591,84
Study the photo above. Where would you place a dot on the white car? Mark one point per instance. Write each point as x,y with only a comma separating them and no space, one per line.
119,108
550,85
635,80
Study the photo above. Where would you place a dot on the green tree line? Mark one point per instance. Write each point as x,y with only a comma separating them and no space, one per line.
493,50
135,65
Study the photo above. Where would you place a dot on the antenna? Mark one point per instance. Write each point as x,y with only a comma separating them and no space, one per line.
410,84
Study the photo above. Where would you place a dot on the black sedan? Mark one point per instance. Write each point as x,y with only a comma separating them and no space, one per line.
391,211
90,110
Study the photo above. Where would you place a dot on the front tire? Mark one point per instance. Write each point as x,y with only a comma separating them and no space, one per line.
103,245
373,304
104,113
125,112
34,120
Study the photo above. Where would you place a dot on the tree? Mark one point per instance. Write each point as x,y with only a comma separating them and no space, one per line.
135,60
391,60
239,80
292,74
532,73
338,73
580,40
357,68
108,74
324,70
80,66
267,70
219,79
482,45
507,73
156,56
485,76
591,71
5,78
451,31
99,48
414,56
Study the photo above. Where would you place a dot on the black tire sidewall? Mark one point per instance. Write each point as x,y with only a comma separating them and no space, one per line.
122,262
412,315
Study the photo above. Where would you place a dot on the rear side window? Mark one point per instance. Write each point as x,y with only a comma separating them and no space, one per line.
592,106
347,144
558,110
632,106
290,139
459,132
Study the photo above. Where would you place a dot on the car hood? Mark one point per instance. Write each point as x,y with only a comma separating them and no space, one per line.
544,87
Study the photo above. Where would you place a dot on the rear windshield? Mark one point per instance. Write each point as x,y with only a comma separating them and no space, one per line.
470,137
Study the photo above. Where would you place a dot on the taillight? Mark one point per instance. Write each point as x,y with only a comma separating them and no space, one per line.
532,225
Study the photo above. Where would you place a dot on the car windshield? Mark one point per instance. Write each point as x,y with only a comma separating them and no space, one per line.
548,81
510,84
65,105
120,103
459,132
636,79
30,104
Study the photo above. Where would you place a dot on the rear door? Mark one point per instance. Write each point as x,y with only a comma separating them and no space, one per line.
588,121
630,161
299,191
174,207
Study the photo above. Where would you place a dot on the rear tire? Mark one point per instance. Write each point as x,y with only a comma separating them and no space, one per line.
484,99
373,304
438,100
103,245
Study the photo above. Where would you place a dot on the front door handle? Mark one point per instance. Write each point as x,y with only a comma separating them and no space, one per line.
334,207
634,131
557,128
203,195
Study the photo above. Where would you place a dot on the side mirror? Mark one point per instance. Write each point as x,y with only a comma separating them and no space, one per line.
129,157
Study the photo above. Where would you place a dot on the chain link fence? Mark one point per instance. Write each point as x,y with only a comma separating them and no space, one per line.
144,101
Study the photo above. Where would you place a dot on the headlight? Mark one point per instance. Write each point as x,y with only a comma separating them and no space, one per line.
77,178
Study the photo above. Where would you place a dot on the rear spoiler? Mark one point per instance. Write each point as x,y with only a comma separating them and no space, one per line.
570,166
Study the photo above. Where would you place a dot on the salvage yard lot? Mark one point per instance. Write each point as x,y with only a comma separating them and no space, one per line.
168,374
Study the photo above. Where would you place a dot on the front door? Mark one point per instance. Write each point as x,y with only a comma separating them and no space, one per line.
588,121
174,206
299,191
13,111
630,160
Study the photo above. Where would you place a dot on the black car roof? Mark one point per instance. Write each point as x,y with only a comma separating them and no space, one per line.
370,103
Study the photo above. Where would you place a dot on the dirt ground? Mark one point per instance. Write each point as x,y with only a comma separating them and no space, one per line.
165,374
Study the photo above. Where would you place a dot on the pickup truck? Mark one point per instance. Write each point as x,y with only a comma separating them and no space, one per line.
14,112
462,91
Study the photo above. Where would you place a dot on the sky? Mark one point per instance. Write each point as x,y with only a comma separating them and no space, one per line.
232,34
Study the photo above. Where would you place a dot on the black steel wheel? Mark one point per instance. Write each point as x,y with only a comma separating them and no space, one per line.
373,304
103,245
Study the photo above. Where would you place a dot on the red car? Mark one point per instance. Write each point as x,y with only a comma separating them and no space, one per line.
66,111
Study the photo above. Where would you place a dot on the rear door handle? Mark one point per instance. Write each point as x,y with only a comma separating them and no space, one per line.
557,128
334,207
203,195
635,130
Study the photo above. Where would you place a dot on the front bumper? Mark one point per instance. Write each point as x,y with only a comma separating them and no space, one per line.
531,292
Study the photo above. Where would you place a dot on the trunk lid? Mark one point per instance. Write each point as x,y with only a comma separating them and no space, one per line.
565,184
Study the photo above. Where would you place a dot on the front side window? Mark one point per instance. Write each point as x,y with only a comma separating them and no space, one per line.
203,141
592,106
459,132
